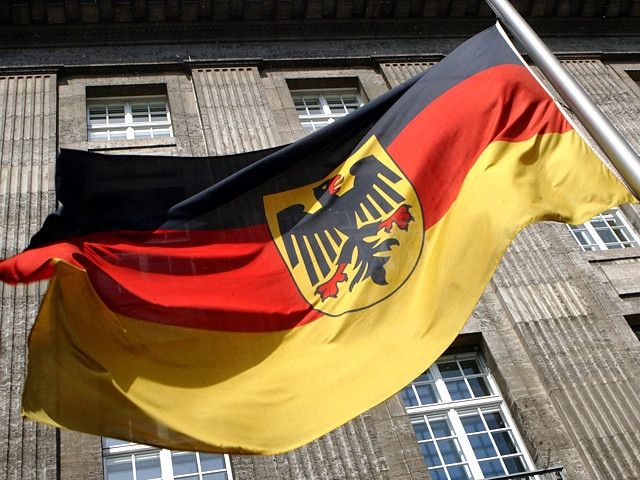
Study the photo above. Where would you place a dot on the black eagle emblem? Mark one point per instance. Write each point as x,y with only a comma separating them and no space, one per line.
345,229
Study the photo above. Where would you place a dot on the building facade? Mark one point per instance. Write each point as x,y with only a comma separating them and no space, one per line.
546,372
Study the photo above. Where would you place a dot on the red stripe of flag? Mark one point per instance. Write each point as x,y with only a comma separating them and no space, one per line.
235,280
500,103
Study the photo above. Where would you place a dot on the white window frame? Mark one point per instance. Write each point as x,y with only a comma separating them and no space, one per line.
589,238
124,449
454,410
128,126
315,121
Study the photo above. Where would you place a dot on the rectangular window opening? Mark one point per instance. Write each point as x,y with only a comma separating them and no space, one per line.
461,422
609,230
634,323
319,107
128,113
124,460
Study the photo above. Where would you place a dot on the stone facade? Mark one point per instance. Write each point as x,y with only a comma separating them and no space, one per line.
553,324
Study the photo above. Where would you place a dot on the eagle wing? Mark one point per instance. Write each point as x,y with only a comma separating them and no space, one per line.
326,237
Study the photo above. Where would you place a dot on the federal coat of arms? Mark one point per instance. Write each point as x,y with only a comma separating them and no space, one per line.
353,238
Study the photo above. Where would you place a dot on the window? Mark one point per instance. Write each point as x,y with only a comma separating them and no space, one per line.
131,461
607,230
318,109
634,323
126,119
460,420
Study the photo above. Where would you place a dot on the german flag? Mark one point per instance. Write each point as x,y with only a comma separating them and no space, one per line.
252,303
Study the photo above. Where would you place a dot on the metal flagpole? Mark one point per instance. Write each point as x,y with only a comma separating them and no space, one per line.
621,154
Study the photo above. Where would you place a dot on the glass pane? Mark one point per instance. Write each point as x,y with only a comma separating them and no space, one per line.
140,112
583,237
115,108
335,104
438,474
494,420
430,454
472,423
470,367
300,106
351,102
449,369
621,234
97,115
514,464
210,461
115,113
161,132
313,105
148,466
482,446
159,106
184,462
607,235
98,136
458,389
159,118
119,468
427,394
422,431
142,133
459,472
408,397
504,442
449,451
112,442
215,476
479,387
610,218
425,377
492,468
117,134
440,428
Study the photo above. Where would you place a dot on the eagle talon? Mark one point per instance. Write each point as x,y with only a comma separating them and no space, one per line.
330,288
401,217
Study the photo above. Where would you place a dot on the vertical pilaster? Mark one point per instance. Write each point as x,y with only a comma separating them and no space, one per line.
27,157
398,72
234,111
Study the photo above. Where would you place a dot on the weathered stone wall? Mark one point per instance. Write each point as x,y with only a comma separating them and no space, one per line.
233,109
551,323
377,445
188,134
564,354
27,155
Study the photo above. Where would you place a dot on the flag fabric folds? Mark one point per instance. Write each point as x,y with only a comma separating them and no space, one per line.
252,303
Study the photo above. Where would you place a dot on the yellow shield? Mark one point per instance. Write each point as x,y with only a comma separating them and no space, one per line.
353,238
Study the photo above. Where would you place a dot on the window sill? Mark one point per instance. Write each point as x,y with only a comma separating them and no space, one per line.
612,255
138,143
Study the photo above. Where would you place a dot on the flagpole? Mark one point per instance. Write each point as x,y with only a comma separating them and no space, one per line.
621,154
